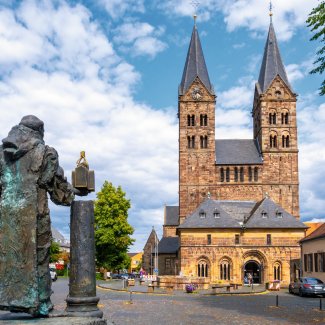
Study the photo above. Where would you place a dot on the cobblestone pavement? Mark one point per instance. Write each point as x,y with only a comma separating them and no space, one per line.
188,309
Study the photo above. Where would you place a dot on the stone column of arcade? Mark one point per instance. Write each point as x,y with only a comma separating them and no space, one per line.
82,300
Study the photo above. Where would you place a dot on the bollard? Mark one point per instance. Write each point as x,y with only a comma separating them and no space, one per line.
131,297
277,301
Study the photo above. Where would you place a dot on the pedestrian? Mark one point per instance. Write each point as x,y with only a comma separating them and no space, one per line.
250,279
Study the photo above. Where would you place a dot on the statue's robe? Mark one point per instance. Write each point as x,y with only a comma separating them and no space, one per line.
25,226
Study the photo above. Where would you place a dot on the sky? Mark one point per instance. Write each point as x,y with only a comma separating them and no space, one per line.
103,76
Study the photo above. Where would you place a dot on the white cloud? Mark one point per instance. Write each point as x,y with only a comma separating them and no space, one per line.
140,38
69,75
118,8
250,14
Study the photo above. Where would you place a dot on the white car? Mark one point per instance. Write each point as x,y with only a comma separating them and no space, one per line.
54,276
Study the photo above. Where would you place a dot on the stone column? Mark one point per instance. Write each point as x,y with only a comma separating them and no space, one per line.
82,299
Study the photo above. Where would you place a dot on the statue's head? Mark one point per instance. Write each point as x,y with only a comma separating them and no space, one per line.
23,137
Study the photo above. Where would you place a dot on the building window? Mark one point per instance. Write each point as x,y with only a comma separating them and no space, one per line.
191,142
203,120
285,141
227,174
222,175
202,214
190,120
310,266
237,239
279,214
256,174
277,271
236,174
268,239
264,214
273,141
167,263
250,174
241,172
285,118
319,261
202,269
216,214
204,141
209,239
272,118
225,270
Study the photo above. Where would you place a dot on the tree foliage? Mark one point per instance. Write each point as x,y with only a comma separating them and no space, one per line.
112,230
316,21
54,252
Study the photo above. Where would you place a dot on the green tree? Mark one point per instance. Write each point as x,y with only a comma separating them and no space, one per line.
54,252
316,21
112,230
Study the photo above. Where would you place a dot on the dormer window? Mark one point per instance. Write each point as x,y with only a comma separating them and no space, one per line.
216,214
279,214
202,214
264,214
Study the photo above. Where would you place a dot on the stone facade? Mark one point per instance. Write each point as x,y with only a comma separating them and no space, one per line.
148,257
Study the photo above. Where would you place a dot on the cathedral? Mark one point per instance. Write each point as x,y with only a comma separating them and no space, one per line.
238,212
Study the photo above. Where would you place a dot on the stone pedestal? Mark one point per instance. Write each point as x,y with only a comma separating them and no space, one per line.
82,299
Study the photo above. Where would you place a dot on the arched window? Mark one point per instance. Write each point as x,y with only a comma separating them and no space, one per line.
272,118
222,175
203,269
241,174
285,141
256,174
225,270
277,271
191,142
285,118
236,174
273,141
190,120
227,174
250,174
204,141
203,120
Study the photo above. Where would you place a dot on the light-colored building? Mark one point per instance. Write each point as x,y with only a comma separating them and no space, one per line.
313,254
136,260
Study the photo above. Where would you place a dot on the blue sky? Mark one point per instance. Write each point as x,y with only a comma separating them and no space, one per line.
103,76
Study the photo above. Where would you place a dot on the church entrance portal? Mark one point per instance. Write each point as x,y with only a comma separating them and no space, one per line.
254,269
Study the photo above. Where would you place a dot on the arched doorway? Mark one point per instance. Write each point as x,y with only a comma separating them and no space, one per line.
254,268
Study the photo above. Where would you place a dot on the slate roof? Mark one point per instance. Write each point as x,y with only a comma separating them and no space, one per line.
171,215
209,207
274,217
168,245
238,214
195,65
317,234
237,152
272,64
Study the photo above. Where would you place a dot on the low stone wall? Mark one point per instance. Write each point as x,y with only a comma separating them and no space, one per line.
179,282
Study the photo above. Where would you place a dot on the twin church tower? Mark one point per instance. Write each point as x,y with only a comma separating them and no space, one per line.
238,210
266,165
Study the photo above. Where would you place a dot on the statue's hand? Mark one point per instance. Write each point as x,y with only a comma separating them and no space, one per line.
79,192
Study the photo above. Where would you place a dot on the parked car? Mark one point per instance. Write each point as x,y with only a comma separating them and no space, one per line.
116,276
307,287
54,276
124,276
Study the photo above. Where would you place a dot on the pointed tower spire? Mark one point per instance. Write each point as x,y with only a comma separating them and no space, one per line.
195,65
272,63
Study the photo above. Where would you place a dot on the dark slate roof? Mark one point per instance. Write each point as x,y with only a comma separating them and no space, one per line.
168,245
209,207
237,152
171,215
195,65
272,220
316,234
235,214
272,63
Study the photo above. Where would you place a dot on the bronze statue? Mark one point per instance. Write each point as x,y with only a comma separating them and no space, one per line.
29,170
